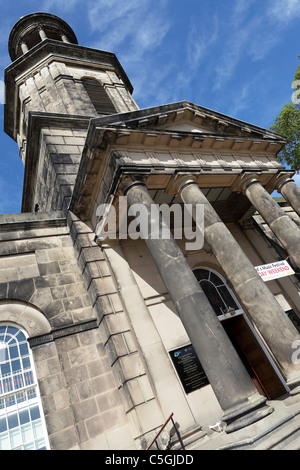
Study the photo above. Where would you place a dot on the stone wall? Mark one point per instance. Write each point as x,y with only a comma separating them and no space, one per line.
96,389
39,270
124,351
108,317
57,169
38,267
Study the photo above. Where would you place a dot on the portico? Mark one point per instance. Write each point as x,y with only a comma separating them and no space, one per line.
188,158
236,393
261,305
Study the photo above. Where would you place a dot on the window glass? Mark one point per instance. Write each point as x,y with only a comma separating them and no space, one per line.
227,297
22,423
201,274
216,280
213,296
216,290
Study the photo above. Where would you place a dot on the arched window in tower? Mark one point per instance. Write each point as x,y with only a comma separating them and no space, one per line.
98,96
217,291
22,425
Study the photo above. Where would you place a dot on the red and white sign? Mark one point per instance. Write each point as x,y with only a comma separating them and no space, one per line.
274,270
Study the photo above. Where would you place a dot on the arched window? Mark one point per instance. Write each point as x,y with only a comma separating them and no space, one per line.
217,291
98,96
22,425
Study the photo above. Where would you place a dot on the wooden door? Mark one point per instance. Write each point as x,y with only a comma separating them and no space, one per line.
254,358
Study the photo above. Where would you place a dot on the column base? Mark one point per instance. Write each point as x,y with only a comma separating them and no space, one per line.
248,419
295,391
293,382
243,416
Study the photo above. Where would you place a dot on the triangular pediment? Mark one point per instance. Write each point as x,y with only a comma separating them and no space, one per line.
187,117
160,141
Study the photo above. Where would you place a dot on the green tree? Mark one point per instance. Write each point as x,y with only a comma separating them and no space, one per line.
287,124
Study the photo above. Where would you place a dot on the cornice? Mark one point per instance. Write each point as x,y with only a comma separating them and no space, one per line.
22,222
103,144
161,116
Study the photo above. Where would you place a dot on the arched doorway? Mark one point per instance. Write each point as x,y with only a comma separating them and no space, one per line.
242,334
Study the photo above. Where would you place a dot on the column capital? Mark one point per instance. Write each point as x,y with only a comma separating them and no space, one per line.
282,179
130,181
244,181
181,181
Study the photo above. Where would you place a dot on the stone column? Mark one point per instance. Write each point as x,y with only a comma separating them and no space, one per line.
290,191
230,381
64,37
283,227
264,310
42,33
24,47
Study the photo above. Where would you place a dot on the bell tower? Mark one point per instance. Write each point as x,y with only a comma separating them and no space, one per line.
53,88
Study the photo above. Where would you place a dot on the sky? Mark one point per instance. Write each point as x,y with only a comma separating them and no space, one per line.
237,57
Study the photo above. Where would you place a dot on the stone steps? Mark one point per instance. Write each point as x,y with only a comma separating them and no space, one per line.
191,439
278,431
285,437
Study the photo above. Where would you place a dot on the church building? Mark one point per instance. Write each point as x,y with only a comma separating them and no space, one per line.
150,286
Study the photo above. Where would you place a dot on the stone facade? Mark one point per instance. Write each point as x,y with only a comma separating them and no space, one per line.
104,315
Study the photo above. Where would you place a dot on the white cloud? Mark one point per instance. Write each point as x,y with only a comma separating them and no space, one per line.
202,35
278,16
252,31
61,5
284,11
239,101
137,21
233,51
135,31
106,12
237,31
2,94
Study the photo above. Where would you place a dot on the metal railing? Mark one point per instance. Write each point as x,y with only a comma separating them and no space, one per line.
161,430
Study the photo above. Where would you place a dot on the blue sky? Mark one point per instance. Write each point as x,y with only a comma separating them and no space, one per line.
237,57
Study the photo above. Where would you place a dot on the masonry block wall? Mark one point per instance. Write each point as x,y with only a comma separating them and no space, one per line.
58,163
59,88
95,387
79,394
126,359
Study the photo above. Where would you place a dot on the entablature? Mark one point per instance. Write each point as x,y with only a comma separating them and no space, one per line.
112,152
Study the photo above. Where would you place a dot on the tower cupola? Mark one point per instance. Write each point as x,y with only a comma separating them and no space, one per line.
53,88
31,29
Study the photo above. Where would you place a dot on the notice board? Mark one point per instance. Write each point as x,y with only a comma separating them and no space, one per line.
188,368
